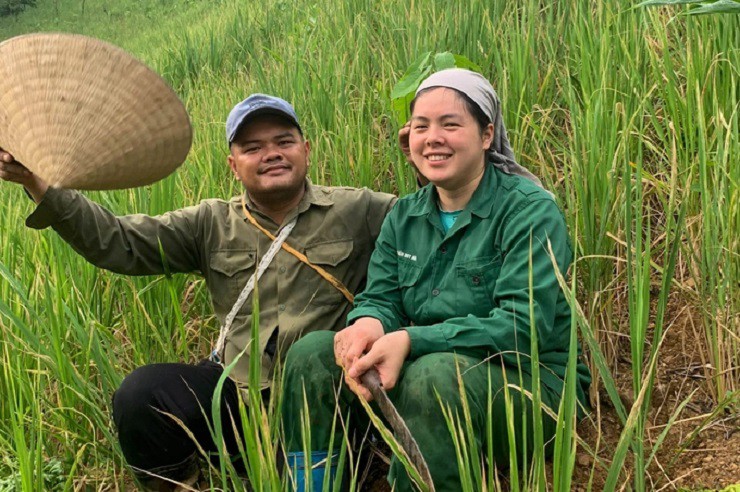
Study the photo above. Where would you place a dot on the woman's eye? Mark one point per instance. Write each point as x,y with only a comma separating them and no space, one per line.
419,127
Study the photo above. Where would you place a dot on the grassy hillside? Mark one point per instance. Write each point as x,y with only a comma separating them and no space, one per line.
630,115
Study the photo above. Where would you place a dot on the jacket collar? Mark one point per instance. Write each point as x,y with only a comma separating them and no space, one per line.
314,196
311,196
480,204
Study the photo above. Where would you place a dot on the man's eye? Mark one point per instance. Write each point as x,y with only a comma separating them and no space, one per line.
285,143
251,150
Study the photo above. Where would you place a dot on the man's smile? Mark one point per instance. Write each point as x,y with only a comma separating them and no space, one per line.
274,169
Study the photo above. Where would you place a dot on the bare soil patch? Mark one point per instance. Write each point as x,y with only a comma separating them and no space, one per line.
702,448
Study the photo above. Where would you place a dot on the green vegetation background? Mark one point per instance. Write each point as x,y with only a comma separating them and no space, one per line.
630,115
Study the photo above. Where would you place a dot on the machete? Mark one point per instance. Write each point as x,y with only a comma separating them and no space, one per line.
371,380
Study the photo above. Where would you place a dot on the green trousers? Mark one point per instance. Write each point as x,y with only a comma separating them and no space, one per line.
423,383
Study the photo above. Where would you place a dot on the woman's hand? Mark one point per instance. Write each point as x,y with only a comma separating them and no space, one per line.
387,357
403,141
15,172
355,340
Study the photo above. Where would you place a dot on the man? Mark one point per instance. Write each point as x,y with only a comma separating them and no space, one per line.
333,230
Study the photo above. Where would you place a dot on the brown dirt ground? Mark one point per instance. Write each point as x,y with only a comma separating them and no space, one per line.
702,448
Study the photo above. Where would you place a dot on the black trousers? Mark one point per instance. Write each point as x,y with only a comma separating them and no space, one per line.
143,407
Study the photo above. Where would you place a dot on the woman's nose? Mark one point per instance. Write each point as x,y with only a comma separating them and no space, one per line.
434,136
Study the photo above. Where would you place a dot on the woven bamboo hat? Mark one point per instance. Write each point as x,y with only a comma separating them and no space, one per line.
84,114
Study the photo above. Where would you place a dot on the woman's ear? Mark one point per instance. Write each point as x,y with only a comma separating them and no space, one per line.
487,136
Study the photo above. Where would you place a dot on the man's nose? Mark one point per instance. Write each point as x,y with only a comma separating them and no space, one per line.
272,153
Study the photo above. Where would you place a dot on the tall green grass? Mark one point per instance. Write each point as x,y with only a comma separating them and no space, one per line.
630,115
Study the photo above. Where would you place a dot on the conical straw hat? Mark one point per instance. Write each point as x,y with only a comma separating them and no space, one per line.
84,114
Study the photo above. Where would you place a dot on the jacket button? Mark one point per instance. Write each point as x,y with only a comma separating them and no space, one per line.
443,249
281,307
435,292
282,269
476,280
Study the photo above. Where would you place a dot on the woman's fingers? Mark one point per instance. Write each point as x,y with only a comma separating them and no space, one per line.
354,352
347,347
387,356
403,140
339,347
357,388
353,341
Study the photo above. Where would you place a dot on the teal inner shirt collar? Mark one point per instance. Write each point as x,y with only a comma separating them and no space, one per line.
480,203
448,219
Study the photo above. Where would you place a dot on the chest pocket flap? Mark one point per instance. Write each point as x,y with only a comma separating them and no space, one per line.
330,253
480,266
229,262
408,273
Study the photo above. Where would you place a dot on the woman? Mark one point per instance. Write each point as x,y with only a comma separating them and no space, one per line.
448,288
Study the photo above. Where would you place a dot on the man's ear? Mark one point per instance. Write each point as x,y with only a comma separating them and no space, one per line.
307,145
232,163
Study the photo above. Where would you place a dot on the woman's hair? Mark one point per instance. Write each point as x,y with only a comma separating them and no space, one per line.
475,110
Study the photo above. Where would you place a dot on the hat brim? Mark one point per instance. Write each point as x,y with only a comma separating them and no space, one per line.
84,114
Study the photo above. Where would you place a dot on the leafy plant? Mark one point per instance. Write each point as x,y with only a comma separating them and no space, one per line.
52,477
700,6
426,64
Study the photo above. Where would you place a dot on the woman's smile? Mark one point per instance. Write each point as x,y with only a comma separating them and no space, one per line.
437,158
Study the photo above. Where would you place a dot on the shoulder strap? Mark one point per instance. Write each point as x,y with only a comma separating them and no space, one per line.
217,353
301,257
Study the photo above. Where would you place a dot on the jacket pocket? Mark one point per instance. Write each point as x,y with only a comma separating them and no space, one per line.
408,273
476,282
330,253
331,256
409,277
230,271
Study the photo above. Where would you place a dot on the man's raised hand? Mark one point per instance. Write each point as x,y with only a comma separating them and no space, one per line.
15,172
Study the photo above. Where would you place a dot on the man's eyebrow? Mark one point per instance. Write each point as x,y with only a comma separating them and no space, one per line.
276,137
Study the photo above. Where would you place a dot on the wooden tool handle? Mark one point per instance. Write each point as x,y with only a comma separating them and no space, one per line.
371,380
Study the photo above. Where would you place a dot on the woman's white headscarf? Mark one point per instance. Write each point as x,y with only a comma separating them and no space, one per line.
481,92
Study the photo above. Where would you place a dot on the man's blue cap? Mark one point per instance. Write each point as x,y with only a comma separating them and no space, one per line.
258,104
